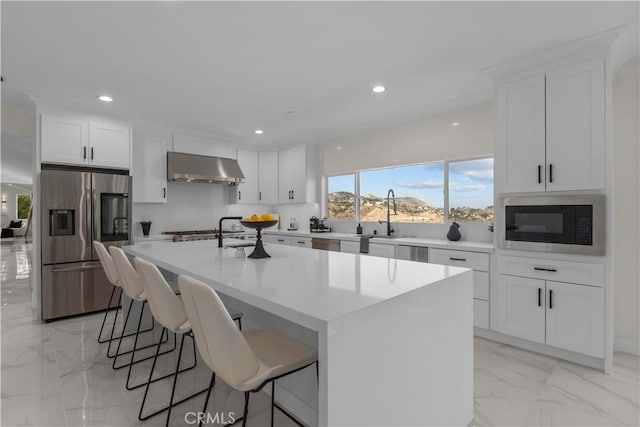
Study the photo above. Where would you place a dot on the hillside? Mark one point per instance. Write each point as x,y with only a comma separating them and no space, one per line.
410,209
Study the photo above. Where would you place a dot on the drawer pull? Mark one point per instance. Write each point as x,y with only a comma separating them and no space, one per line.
551,270
302,243
458,259
280,240
550,299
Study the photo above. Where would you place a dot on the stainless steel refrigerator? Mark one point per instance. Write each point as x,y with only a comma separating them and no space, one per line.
78,207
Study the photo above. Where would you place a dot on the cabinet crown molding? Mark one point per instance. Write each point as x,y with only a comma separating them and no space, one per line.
594,46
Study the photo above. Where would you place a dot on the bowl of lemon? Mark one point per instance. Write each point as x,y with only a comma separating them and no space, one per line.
259,222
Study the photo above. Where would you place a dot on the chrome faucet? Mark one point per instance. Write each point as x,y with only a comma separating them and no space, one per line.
395,211
115,227
220,227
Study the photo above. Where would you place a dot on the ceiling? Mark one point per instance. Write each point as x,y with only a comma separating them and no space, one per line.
301,71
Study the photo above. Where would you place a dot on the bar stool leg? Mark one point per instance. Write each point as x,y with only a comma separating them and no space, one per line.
206,399
104,319
175,380
153,366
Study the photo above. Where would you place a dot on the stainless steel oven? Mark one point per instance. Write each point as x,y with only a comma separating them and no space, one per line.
565,224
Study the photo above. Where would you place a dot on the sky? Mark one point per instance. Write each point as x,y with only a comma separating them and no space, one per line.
470,182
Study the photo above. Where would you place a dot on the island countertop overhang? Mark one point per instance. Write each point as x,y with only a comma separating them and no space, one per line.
308,286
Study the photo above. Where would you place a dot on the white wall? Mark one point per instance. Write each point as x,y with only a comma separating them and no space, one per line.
427,139
626,194
18,139
423,140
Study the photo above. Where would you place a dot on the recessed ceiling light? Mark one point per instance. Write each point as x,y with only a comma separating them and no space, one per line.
455,124
105,98
258,131
338,148
379,89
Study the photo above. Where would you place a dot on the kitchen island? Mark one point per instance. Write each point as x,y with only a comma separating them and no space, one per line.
394,337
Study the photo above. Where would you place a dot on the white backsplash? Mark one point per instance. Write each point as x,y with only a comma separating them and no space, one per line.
301,213
191,207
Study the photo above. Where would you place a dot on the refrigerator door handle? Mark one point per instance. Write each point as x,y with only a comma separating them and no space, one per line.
83,268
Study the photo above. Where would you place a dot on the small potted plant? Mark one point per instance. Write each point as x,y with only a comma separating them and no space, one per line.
146,226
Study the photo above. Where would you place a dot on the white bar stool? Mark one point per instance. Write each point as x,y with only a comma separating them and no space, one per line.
247,360
112,276
132,287
168,310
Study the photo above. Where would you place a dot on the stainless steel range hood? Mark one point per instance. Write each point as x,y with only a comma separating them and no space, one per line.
182,167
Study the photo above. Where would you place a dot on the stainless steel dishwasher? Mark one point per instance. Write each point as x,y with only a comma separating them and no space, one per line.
412,253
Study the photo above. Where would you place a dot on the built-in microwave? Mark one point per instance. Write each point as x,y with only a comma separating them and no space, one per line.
566,224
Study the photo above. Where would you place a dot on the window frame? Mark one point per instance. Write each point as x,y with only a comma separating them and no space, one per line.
445,180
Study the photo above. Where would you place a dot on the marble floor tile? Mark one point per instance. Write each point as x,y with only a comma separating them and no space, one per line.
57,374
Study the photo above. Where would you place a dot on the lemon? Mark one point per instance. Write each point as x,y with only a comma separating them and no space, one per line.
266,217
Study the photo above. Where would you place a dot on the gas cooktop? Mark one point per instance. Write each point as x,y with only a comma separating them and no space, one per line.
189,235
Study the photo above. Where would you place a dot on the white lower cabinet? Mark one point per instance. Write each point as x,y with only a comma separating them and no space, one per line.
518,307
477,261
304,242
575,318
274,238
563,315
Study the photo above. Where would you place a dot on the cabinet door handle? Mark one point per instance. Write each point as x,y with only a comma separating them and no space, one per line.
550,298
259,195
164,193
539,174
280,240
302,243
551,270
91,153
239,195
539,297
84,153
292,195
550,173
458,259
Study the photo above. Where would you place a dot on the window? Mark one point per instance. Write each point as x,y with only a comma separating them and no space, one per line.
341,191
418,192
471,190
23,206
435,192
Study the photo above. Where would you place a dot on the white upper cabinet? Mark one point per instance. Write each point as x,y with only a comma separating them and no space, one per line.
109,146
575,127
292,177
64,140
268,177
73,141
520,157
247,192
150,168
203,146
550,134
260,184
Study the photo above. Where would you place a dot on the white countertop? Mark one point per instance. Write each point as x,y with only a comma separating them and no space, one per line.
412,241
307,286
